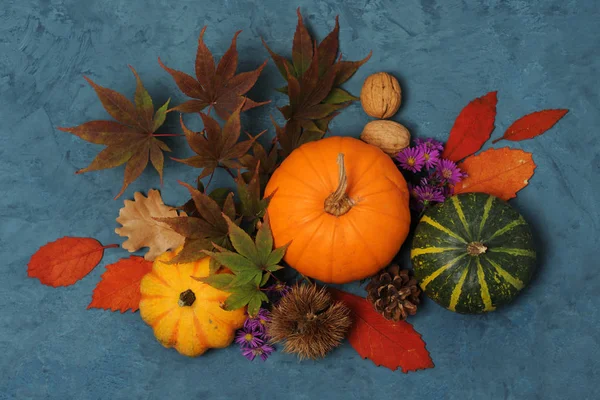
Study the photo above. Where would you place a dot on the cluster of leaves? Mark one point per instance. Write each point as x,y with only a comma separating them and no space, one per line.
131,138
500,172
252,264
313,78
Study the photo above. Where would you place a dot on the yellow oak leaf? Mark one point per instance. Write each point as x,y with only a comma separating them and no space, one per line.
142,230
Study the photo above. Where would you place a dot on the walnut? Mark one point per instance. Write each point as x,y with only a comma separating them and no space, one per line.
389,136
381,95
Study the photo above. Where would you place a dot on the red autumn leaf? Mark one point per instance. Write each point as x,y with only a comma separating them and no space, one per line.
472,127
129,141
216,86
499,172
532,125
119,289
66,260
386,343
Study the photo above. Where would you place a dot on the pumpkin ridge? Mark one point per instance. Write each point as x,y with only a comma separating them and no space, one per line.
507,228
485,292
302,151
513,251
430,221
461,216
299,256
363,241
506,275
160,279
429,278
288,175
458,289
159,317
431,250
298,225
362,208
486,212
174,339
200,332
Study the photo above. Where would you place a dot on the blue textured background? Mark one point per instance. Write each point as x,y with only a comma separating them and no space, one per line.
537,55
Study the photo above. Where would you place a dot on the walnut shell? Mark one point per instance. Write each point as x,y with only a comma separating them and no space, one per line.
389,136
381,95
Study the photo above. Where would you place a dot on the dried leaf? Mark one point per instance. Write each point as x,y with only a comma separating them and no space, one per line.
313,78
386,343
499,172
66,260
203,231
532,125
119,287
472,127
216,147
219,87
253,206
143,230
131,140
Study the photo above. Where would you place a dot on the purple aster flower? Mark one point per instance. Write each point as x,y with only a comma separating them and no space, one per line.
249,338
259,322
411,159
431,156
279,288
448,172
429,194
430,143
263,352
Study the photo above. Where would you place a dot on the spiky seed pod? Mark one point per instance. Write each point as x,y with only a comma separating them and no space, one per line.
309,322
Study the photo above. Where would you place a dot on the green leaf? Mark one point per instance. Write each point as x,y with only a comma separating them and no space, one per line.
338,95
277,255
273,268
264,241
229,206
234,261
218,281
283,89
219,195
265,279
213,266
143,101
161,115
258,279
242,242
254,306
245,277
243,295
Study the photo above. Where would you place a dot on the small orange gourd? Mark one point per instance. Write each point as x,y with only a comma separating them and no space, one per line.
343,206
184,313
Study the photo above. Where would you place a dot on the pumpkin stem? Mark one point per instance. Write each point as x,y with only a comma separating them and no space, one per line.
186,298
476,248
338,203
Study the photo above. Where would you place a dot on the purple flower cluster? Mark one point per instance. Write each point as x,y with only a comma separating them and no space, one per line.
253,338
431,178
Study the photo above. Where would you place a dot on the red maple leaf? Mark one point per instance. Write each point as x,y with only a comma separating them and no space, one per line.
386,343
218,86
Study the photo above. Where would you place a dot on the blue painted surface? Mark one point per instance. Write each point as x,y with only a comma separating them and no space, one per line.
536,54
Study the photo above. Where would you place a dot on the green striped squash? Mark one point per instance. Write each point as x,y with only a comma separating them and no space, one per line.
473,253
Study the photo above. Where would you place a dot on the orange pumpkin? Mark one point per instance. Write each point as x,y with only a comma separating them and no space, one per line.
184,313
344,220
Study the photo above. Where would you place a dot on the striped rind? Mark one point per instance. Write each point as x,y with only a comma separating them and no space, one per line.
465,283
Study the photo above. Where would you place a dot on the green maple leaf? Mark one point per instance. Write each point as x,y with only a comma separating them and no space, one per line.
220,86
206,231
252,205
216,147
313,75
131,139
251,264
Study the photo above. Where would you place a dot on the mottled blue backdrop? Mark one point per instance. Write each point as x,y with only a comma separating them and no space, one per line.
536,54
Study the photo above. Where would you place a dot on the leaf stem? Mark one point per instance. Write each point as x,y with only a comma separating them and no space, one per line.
209,180
271,275
111,246
228,170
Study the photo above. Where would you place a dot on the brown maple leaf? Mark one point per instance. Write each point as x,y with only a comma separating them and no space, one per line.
216,147
206,230
313,76
138,222
218,86
132,139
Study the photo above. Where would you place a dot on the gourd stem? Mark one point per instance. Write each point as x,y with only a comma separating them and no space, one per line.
338,203
476,248
186,298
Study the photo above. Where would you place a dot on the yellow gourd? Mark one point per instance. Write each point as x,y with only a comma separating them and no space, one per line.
184,313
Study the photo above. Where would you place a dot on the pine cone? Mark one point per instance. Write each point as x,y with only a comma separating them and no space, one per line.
393,293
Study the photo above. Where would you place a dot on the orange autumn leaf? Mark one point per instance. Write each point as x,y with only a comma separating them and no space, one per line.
499,172
66,260
119,288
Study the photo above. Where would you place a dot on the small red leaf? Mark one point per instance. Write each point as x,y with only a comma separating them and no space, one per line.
532,125
119,289
386,343
472,127
66,260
